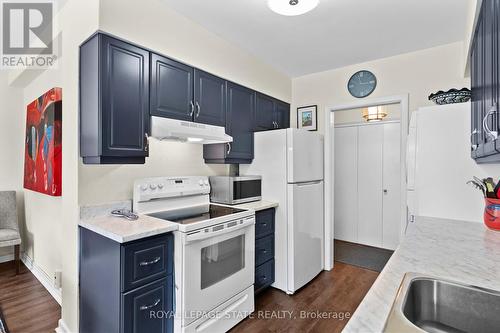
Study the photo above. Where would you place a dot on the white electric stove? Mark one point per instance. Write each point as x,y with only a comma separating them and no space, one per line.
214,251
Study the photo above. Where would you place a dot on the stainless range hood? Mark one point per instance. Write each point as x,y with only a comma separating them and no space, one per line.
186,131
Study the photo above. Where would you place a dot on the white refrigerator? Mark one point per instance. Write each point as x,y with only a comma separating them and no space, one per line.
439,165
290,162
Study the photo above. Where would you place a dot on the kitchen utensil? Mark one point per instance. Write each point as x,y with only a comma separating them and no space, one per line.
490,188
480,186
129,215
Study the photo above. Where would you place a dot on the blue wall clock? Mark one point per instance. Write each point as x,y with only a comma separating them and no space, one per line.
362,84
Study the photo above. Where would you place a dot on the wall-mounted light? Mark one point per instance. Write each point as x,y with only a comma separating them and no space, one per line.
292,7
374,113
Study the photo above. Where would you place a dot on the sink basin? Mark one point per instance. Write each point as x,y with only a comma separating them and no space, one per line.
428,304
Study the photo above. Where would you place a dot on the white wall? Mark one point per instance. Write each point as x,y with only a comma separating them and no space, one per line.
157,27
12,129
43,212
418,74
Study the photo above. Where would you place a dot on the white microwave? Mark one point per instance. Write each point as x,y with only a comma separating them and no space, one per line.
235,190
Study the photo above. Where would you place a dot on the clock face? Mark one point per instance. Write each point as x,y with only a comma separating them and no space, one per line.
362,84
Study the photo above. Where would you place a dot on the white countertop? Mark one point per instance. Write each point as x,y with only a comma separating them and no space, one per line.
122,230
257,205
98,219
465,252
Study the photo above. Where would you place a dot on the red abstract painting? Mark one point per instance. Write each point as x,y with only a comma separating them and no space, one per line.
43,144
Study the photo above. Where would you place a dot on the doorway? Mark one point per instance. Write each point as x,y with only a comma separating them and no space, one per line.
367,184
359,190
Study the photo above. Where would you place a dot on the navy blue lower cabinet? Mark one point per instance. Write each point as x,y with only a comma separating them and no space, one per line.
126,288
264,249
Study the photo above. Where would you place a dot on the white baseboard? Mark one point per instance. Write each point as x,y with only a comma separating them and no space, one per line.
41,276
7,257
62,327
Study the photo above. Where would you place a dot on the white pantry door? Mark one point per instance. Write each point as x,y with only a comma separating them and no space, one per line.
367,184
346,184
370,184
392,186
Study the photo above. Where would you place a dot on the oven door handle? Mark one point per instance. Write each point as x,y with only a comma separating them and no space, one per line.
201,235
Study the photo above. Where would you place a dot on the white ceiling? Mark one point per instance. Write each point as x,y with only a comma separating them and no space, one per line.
335,34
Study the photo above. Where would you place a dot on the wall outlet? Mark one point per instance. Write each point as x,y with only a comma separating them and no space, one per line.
58,279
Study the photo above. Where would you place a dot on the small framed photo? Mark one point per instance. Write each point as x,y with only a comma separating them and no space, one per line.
307,117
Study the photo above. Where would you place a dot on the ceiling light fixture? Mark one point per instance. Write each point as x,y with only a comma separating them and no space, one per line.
374,113
292,7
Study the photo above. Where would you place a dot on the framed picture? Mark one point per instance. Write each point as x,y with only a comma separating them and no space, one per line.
43,144
307,117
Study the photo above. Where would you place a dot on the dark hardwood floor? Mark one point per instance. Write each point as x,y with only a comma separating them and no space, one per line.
26,305
333,294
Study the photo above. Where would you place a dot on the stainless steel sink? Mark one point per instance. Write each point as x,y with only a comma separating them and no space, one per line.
427,304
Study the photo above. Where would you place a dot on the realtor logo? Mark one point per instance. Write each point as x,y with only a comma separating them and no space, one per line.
27,34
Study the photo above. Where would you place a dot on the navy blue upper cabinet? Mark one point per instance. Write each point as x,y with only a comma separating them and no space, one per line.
209,99
282,115
171,89
239,124
114,101
271,113
485,84
264,113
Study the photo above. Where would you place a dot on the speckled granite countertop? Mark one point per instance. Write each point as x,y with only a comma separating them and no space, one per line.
99,220
465,252
257,205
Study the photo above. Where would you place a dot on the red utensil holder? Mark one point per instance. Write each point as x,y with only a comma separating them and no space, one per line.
492,213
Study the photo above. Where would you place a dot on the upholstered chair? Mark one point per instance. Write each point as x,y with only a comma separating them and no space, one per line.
9,227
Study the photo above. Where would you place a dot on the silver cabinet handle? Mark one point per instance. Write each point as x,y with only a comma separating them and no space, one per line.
473,146
147,307
490,133
146,142
147,263
198,109
191,107
228,148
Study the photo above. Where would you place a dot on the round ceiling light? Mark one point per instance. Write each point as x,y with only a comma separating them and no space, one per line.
292,7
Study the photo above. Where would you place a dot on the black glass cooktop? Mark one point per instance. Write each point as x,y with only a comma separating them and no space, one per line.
213,212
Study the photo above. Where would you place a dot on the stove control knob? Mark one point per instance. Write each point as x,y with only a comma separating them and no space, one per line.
200,182
206,182
144,187
160,186
152,186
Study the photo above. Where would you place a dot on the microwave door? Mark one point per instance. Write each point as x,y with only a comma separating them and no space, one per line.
246,190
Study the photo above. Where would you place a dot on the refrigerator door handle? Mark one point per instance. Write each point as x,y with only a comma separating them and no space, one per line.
309,183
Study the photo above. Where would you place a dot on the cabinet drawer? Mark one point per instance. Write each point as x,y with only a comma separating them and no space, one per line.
149,308
264,223
146,260
264,249
264,276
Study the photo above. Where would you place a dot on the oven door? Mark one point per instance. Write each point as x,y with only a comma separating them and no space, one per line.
217,266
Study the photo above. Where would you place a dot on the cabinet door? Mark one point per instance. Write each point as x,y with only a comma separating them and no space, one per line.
282,115
125,98
140,305
240,107
489,31
210,99
264,113
171,89
475,100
